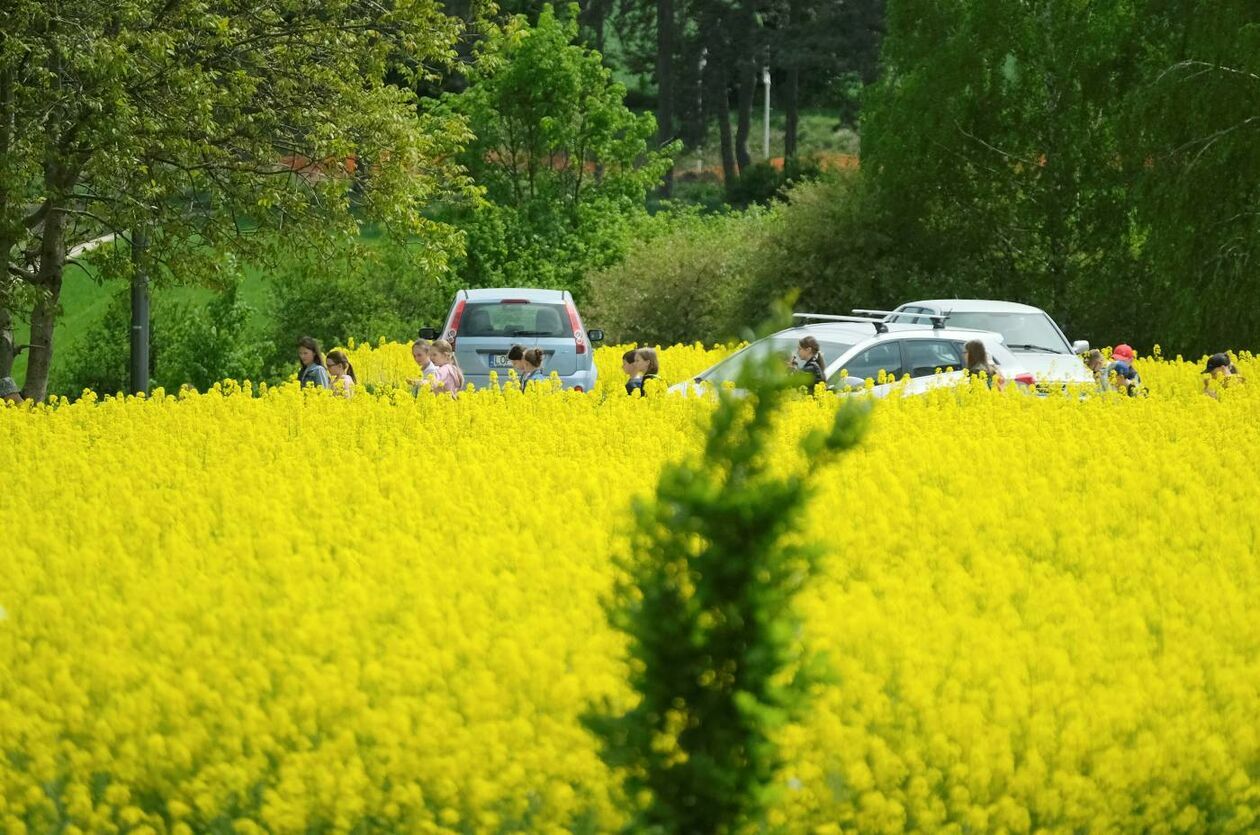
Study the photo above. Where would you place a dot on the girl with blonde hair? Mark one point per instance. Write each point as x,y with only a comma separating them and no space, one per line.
449,377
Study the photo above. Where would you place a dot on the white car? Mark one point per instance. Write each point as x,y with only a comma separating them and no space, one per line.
859,350
1029,332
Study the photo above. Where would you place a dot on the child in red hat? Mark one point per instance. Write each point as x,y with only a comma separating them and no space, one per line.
1121,370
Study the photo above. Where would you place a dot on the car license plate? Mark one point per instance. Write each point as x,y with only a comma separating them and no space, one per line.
499,361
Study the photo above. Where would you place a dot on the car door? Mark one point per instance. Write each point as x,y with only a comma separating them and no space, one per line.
926,357
868,363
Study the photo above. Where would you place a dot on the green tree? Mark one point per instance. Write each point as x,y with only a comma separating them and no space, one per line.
1196,124
706,600
994,137
362,289
563,162
202,120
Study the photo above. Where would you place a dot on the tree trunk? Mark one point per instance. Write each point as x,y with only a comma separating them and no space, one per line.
791,88
665,83
6,342
7,238
52,262
747,92
722,109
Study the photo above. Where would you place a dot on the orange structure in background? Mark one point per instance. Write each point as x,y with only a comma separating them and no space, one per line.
829,160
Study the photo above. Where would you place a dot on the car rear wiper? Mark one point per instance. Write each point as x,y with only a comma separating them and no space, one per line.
1041,348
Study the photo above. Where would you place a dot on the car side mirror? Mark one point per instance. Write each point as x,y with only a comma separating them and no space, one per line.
1080,346
428,333
853,383
595,335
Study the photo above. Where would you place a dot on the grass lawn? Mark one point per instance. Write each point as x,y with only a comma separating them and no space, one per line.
84,300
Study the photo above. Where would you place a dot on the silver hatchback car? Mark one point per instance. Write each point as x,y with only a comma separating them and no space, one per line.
483,325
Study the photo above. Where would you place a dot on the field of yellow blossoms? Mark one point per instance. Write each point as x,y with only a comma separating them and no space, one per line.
274,612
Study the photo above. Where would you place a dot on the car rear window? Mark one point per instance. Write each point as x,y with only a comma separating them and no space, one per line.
515,319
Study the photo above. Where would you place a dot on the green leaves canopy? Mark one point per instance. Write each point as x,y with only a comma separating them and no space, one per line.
202,120
563,162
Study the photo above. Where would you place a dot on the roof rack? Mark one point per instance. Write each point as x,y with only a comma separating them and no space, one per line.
937,318
878,324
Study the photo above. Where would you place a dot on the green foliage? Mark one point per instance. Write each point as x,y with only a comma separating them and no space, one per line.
197,344
1196,123
204,344
993,136
703,278
365,289
706,600
563,163
682,281
831,243
762,182
100,359
1101,165
200,122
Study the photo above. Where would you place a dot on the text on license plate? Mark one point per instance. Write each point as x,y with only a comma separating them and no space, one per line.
499,361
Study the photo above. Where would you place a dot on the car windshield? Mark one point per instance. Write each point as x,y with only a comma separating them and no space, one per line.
511,320
1021,331
784,346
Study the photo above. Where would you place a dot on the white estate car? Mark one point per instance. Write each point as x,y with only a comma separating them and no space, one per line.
855,352
1028,332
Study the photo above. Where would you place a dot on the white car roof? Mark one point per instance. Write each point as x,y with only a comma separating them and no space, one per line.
973,306
858,332
529,294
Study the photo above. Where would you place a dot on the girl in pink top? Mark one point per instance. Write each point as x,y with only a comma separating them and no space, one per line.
448,377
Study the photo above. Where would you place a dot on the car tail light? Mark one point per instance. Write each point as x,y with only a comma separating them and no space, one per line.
513,301
579,338
1026,379
452,327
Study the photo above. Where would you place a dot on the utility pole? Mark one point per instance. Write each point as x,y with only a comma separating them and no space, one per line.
765,132
704,60
139,313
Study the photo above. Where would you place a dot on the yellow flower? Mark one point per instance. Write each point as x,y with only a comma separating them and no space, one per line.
299,612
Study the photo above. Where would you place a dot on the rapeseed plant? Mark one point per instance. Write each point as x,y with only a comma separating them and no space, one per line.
248,610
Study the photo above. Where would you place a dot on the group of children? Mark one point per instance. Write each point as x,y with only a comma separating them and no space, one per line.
441,370
1119,374
640,365
438,364
438,367
332,372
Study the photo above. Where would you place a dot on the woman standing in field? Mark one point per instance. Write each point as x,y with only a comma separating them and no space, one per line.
312,372
448,377
343,377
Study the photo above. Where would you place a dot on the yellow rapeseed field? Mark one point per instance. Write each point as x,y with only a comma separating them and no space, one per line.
296,613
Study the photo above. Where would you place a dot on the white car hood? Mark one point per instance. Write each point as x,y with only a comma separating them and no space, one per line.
1055,368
